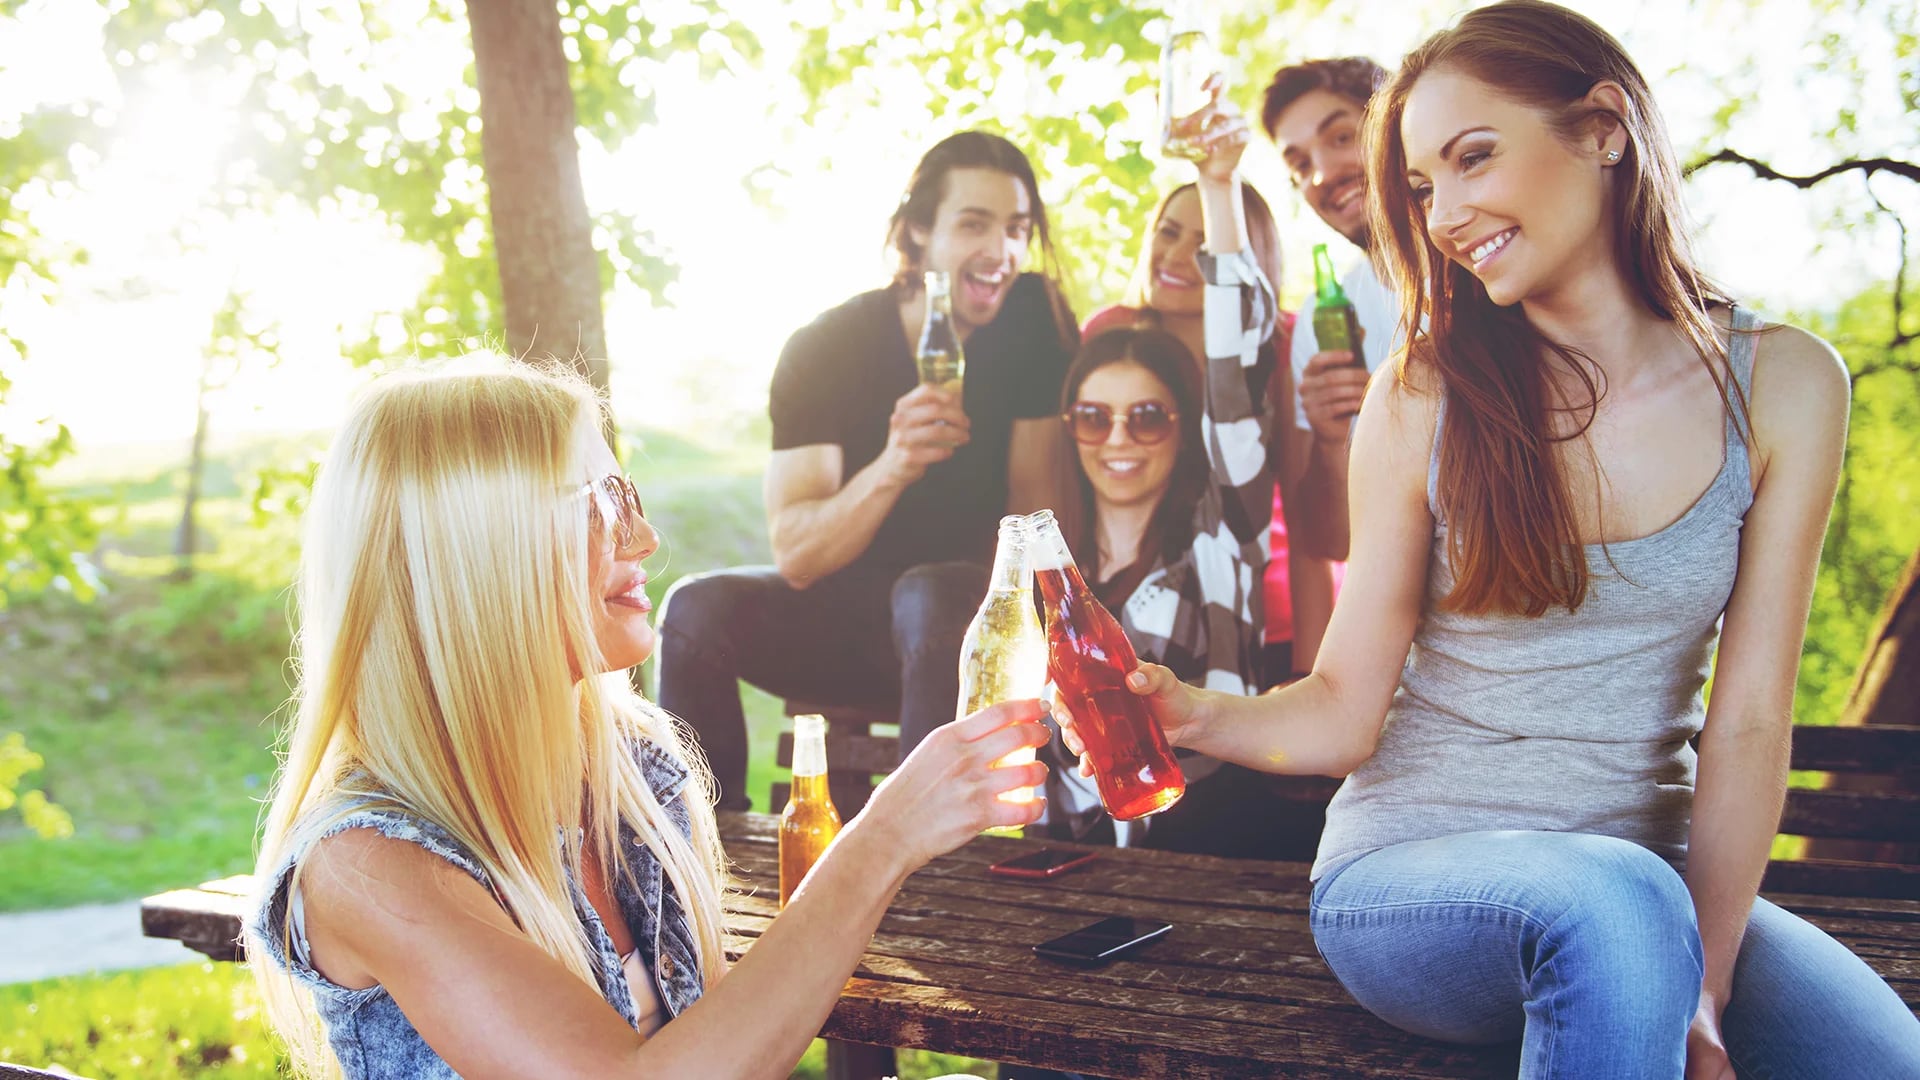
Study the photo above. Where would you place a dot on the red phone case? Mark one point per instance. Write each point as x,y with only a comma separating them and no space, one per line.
1005,870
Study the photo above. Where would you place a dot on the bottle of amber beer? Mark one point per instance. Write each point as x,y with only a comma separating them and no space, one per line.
940,360
809,823
1004,655
1089,658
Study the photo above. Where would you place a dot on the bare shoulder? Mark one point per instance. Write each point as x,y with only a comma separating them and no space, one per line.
1801,388
1394,431
367,896
1409,391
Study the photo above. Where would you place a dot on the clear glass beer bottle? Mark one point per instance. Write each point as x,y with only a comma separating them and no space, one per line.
1004,655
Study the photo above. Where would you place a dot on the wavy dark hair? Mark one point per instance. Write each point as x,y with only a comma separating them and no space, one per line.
1355,77
1166,359
1512,541
928,185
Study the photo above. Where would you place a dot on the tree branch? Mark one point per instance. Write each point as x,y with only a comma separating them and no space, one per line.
1911,367
1869,166
1900,334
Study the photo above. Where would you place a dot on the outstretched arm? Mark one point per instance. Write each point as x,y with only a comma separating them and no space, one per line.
1799,411
386,912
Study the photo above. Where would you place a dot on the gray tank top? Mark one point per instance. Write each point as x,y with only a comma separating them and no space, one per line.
1563,722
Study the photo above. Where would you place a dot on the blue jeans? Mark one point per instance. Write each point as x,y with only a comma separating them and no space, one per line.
858,637
1585,949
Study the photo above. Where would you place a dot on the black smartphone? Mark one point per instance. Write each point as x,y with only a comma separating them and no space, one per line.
1102,942
1044,863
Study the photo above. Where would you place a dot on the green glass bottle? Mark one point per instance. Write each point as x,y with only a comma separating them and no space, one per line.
1335,325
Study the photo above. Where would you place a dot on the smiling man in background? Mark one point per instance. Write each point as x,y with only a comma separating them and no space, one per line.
1312,111
883,495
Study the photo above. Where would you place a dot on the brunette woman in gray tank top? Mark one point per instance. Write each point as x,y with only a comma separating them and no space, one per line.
1588,470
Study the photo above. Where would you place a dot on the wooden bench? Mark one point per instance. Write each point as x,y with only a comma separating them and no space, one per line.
1870,801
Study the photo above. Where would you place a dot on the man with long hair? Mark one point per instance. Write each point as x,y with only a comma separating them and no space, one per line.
883,494
1312,111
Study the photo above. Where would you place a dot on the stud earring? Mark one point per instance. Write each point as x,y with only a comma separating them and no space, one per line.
1613,155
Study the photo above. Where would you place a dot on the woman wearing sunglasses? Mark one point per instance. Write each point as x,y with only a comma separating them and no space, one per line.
1174,495
486,856
1168,291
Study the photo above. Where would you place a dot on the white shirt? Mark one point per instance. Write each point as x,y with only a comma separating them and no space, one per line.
1378,310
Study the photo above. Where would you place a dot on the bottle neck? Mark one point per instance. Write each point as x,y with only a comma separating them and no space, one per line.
1326,286
1010,570
809,755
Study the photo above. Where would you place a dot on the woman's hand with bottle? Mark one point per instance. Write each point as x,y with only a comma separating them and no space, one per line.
1175,706
1219,129
948,790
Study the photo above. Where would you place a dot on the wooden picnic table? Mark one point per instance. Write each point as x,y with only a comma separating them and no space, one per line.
1235,990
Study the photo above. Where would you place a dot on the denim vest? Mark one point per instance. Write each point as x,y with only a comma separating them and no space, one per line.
371,1036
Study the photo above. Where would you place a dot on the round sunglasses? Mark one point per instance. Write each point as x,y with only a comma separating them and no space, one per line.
613,504
1147,422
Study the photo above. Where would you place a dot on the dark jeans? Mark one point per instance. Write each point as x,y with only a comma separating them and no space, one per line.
855,638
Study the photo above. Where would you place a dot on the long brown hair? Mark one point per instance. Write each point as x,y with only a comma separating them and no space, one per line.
1512,540
928,185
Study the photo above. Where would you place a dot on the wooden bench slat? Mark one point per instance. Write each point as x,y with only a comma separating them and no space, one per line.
848,753
849,796
1836,877
1877,748
1857,815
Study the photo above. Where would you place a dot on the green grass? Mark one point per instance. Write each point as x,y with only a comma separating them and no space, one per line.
156,705
198,1020
203,1021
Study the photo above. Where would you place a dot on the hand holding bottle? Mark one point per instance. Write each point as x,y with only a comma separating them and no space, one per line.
1174,705
948,790
1217,132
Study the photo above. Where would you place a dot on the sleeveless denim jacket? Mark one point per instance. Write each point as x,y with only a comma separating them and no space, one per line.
371,1036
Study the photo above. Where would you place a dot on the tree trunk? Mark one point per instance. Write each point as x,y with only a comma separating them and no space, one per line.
543,238
187,537
1886,690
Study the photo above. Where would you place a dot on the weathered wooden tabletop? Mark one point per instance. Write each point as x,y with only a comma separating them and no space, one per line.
1235,990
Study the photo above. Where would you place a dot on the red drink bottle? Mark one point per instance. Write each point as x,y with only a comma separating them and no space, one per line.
1088,659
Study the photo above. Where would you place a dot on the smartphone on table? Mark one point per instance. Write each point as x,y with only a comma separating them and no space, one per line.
1044,863
1103,942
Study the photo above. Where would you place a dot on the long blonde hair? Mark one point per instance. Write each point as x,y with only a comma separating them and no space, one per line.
444,606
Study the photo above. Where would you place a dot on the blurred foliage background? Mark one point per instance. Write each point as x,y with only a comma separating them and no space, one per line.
178,171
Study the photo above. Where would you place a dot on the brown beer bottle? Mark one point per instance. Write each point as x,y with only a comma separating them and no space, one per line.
1089,658
809,823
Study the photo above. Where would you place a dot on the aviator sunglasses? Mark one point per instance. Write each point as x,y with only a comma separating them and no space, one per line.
1147,422
613,504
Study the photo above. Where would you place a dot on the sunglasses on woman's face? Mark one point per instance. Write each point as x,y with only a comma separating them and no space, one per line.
613,504
1147,422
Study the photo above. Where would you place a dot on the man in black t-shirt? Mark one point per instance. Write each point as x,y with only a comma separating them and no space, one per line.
883,495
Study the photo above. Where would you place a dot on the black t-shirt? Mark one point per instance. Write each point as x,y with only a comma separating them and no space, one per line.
837,382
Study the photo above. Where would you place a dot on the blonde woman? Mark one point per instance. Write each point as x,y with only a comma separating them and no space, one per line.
486,857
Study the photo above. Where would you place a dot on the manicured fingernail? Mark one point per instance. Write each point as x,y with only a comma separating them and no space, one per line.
1137,680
